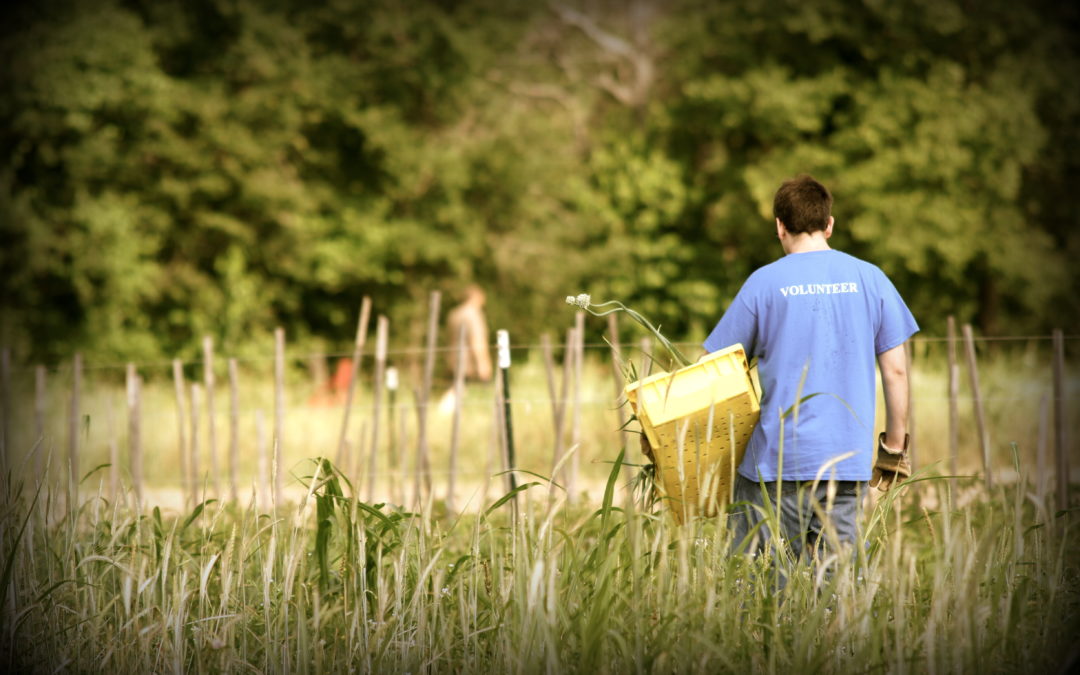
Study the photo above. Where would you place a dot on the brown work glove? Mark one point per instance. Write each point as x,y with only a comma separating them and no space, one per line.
890,465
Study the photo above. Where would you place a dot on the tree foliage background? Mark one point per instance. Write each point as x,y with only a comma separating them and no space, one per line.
172,169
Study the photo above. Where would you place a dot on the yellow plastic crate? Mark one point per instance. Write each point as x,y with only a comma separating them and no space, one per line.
698,420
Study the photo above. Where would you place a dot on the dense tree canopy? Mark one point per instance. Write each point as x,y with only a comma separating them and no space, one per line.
220,166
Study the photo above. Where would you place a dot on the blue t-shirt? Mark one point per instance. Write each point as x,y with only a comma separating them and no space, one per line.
831,314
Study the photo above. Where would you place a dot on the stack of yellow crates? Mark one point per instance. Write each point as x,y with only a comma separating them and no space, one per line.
698,420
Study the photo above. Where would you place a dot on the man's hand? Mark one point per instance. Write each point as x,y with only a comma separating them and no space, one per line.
890,465
646,447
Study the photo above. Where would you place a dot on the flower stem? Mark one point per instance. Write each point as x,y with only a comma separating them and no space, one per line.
616,306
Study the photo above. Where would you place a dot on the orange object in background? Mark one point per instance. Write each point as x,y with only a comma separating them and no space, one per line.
339,383
333,391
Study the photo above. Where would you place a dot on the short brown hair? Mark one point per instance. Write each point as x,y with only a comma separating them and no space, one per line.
803,205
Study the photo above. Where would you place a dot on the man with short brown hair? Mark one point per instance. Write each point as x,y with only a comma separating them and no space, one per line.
817,320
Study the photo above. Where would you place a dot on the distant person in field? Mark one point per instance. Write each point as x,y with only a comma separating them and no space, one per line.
470,315
831,315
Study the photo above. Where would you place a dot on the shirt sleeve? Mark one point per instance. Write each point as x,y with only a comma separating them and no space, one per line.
897,323
738,325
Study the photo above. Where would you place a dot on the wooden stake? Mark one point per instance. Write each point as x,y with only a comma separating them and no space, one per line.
402,457
393,458
196,479
954,405
279,412
73,427
134,405
1041,469
39,420
345,464
558,405
186,477
382,330
262,463
357,472
5,412
455,428
575,429
494,444
980,417
423,467
646,357
616,371
912,445
620,404
1061,439
358,353
417,471
114,449
211,414
320,373
234,429
275,476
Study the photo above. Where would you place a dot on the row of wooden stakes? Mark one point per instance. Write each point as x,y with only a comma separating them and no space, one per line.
195,406
565,419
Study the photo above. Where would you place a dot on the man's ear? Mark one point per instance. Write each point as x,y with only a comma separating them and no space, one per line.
828,228
780,229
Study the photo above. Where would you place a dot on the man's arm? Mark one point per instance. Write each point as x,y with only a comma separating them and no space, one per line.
894,382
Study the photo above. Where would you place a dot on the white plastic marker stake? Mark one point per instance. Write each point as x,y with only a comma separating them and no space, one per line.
393,458
502,341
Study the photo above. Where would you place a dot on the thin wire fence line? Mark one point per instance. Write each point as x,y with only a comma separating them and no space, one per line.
369,353
296,477
250,412
606,403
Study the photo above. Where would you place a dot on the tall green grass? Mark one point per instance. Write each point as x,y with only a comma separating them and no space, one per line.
333,584
941,582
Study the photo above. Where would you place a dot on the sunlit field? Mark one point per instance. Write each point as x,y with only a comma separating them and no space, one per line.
1014,379
948,577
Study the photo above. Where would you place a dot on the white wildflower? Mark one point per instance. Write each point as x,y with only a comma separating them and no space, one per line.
581,301
584,301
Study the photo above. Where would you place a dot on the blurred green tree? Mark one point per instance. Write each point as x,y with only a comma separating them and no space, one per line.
928,121
217,166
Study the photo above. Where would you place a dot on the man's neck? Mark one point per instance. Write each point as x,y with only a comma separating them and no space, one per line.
805,243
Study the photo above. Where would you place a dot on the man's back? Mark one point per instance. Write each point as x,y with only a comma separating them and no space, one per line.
817,320
827,314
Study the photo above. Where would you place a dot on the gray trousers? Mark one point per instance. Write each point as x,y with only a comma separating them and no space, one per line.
806,530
